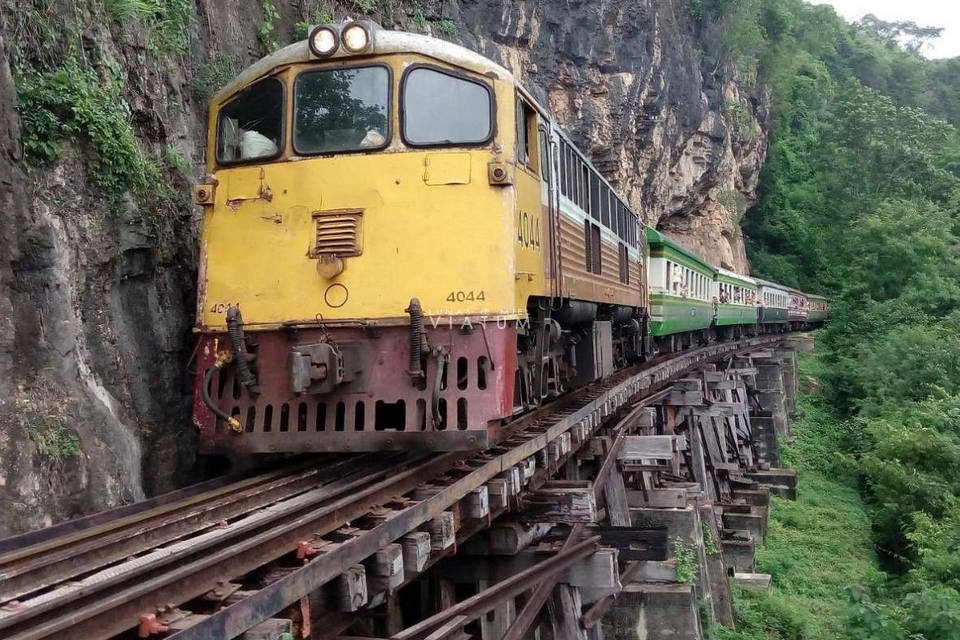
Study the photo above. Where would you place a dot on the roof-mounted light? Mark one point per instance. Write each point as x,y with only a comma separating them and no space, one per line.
356,38
323,41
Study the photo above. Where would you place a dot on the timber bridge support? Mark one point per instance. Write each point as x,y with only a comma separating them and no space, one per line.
623,512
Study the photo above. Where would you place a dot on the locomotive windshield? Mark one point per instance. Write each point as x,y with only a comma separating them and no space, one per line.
439,108
340,110
251,125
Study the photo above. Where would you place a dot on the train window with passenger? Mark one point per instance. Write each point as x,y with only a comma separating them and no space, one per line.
250,126
440,108
338,110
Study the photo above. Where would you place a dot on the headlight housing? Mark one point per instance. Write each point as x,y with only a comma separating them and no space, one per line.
323,41
356,38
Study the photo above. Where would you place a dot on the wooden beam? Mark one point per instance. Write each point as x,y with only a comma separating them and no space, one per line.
615,499
478,503
443,531
518,628
634,544
565,610
498,494
658,498
599,570
509,538
416,551
650,447
352,588
385,569
562,506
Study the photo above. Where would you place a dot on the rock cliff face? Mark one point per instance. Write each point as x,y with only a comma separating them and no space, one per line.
96,289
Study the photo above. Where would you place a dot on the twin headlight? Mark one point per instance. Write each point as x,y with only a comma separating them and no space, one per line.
324,40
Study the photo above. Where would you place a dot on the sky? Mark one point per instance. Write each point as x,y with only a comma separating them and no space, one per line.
926,13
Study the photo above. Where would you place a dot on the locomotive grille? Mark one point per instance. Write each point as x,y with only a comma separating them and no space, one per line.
338,233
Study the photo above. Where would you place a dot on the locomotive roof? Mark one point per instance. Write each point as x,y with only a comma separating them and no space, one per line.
383,41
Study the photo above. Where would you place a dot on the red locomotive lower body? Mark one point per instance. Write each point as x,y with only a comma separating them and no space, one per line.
355,388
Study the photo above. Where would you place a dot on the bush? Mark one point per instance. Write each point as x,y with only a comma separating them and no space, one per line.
70,101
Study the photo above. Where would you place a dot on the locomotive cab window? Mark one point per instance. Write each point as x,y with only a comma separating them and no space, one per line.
527,149
250,126
338,110
443,109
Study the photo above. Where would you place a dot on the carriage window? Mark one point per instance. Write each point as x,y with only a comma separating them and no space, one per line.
585,181
341,110
563,168
591,241
624,264
251,125
616,219
439,108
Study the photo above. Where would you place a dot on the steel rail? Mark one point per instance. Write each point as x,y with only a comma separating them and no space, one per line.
36,568
278,527
111,601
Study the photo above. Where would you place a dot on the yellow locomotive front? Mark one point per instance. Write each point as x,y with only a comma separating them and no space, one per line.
360,206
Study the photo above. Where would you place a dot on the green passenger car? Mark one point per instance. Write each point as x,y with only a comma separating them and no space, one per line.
736,297
681,288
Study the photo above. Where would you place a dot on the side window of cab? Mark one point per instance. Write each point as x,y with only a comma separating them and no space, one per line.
250,125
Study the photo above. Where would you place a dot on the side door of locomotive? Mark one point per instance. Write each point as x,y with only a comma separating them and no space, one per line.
532,222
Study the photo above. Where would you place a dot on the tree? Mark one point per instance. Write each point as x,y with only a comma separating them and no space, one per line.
906,34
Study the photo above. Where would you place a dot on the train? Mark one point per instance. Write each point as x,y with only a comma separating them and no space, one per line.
401,249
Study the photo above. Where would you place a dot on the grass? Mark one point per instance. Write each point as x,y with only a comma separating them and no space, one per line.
52,439
818,546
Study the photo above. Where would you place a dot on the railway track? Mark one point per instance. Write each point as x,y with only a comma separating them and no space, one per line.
102,576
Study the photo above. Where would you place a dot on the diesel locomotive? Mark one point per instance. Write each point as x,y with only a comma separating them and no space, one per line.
401,249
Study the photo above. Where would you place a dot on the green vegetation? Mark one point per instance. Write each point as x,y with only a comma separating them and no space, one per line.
51,438
447,28
166,21
211,77
418,19
268,25
709,542
72,101
817,546
177,161
860,199
321,16
685,555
